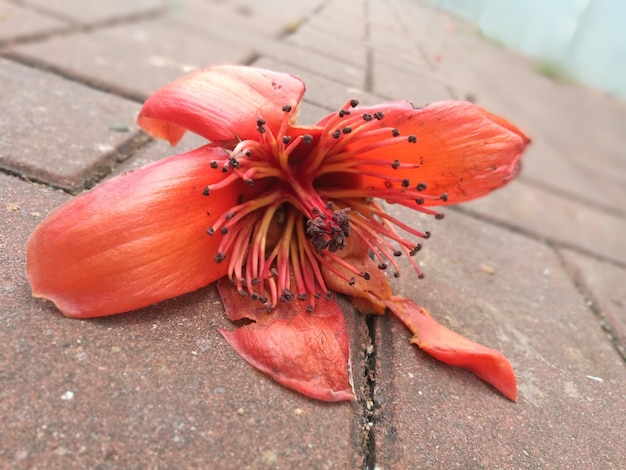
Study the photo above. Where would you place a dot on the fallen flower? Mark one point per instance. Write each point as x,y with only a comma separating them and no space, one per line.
286,214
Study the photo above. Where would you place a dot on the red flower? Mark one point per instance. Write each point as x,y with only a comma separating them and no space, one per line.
287,214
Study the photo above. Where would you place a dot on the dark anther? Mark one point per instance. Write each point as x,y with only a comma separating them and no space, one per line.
395,132
344,112
414,251
367,117
206,191
220,257
330,205
224,230
354,103
233,162
242,292
210,231
263,299
412,139
249,181
426,235
287,296
260,122
352,281
346,130
213,164
439,216
421,186
378,115
230,215
274,272
307,139
366,276
317,295
309,308
444,197
329,295
382,266
336,134
255,281
254,296
302,296
315,210
225,169
406,183
261,129
419,201
248,153
286,139
287,108
397,253
396,164
396,274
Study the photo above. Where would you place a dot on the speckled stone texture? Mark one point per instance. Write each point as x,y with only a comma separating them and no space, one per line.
536,270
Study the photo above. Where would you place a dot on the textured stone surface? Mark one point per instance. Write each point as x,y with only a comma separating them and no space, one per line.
17,22
57,131
154,55
74,10
571,381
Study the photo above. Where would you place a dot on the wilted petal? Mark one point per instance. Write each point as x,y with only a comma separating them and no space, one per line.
461,150
221,103
454,349
307,352
134,240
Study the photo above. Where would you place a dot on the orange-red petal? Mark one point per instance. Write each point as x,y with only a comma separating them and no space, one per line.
221,103
134,240
307,352
461,150
450,347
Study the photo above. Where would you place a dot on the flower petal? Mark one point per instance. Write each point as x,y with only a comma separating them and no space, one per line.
134,240
461,150
221,103
450,347
307,352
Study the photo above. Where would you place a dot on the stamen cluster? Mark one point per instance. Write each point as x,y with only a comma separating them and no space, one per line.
305,212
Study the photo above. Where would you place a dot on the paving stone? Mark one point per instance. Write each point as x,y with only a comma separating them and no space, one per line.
508,292
604,283
21,23
418,84
321,91
352,53
98,11
151,388
57,131
555,218
154,54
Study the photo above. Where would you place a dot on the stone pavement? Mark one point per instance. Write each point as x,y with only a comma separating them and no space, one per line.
536,270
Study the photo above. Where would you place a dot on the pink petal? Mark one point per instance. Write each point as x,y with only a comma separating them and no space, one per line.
450,347
221,103
307,352
461,150
134,240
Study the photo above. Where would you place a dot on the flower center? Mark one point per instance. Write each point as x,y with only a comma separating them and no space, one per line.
308,205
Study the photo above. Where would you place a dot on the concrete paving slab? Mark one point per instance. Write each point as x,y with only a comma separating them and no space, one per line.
18,23
57,131
154,54
604,284
74,10
152,388
571,381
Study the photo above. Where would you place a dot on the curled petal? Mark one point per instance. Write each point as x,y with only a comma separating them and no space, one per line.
307,352
450,347
221,103
458,149
134,240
